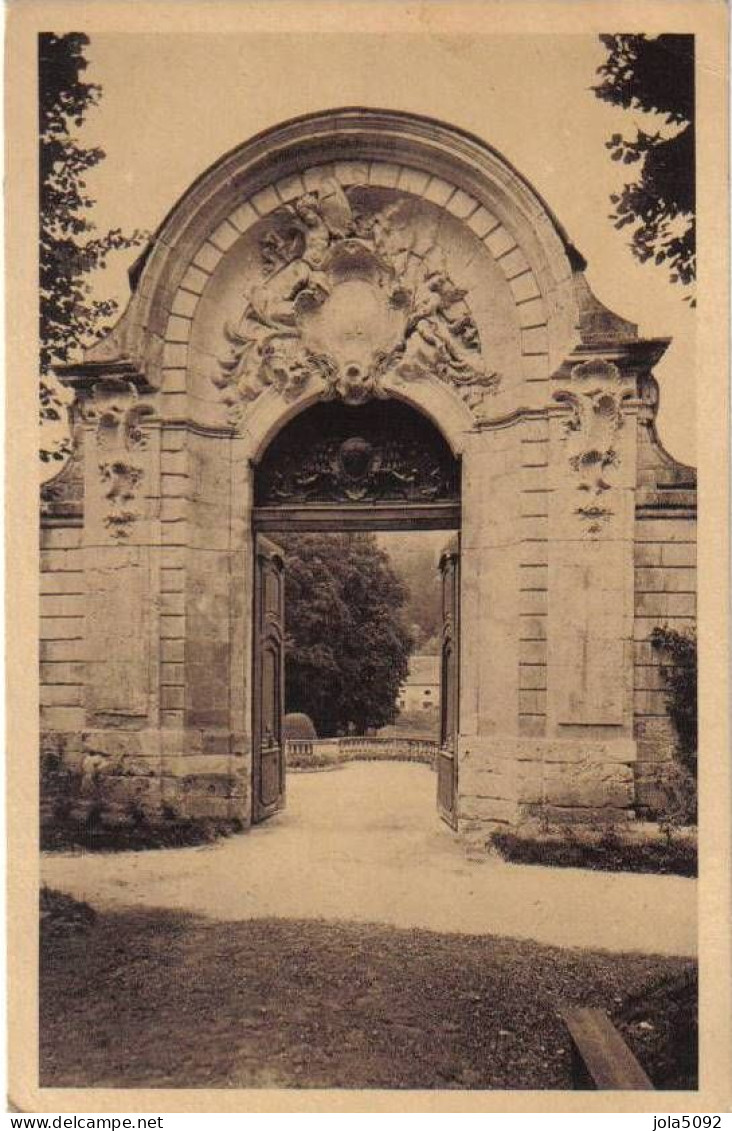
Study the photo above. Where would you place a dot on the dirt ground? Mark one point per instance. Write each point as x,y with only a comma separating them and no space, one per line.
350,942
161,999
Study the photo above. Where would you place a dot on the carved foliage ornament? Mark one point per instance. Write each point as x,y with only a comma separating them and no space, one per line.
359,470
346,297
116,410
595,400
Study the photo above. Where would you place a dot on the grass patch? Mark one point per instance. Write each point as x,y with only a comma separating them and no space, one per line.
637,848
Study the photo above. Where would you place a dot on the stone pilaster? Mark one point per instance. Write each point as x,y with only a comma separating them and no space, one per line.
586,763
120,556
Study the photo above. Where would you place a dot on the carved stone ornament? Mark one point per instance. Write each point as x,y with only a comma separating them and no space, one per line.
336,456
346,297
595,401
116,409
357,470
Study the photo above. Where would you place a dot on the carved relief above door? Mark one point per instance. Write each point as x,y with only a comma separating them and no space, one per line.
379,453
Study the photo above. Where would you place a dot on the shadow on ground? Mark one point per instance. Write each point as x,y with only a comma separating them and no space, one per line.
162,999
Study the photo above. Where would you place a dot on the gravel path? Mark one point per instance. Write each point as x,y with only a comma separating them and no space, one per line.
364,844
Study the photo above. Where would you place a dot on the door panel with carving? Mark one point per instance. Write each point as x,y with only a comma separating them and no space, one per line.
268,768
447,764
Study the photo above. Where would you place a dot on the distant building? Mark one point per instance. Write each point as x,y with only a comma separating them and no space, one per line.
421,689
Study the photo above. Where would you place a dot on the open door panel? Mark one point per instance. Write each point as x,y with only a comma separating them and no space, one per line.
447,763
268,765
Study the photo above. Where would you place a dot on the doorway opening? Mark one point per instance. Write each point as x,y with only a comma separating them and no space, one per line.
356,652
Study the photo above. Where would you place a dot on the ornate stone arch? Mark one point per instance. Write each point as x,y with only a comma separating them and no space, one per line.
449,178
268,416
467,301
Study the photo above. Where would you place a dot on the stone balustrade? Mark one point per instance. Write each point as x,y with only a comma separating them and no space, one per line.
363,747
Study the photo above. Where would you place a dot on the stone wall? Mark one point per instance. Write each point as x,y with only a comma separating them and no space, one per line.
62,636
665,596
62,673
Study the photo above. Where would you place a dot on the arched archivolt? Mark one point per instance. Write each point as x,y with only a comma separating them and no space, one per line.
450,416
509,265
335,454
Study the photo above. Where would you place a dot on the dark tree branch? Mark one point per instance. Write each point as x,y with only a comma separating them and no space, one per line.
69,317
655,77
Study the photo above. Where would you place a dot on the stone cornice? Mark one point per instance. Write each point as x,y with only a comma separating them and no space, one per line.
639,354
83,376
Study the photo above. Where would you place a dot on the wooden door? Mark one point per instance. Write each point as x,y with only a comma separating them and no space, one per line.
268,763
447,762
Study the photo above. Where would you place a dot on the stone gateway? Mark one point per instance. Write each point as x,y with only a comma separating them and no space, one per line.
358,320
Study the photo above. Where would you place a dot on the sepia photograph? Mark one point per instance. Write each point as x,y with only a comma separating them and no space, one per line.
367,748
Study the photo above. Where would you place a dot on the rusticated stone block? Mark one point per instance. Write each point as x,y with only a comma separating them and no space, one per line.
490,781
214,743
647,554
208,784
651,787
679,554
62,744
241,745
178,741
532,726
660,530
656,739
196,800
121,745
530,783
589,785
649,703
239,787
487,809
665,605
569,815
189,767
126,790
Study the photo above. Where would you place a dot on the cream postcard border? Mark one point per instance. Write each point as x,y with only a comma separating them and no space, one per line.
708,20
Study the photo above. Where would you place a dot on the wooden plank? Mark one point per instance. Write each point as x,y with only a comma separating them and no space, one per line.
601,1058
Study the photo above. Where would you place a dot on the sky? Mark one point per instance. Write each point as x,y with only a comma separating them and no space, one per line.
173,104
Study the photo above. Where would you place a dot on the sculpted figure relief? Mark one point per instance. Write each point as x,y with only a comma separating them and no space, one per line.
347,296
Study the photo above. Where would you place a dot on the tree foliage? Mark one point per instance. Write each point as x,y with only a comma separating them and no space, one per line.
348,644
655,77
70,317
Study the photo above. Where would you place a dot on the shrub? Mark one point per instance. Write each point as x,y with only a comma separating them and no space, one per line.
678,786
678,778
299,726
96,833
609,850
679,671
